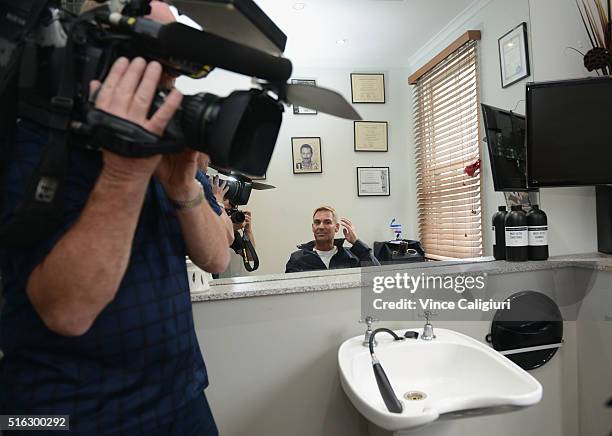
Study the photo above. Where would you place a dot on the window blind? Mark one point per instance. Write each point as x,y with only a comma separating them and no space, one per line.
446,129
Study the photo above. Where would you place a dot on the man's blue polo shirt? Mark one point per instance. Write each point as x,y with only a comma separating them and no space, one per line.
140,363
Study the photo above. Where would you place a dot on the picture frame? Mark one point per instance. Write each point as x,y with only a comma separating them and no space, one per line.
373,182
514,55
371,136
299,110
368,88
306,154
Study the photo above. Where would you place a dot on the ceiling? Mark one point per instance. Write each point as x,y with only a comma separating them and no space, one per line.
377,32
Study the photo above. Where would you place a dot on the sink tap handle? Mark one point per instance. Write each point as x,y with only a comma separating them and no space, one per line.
368,321
428,314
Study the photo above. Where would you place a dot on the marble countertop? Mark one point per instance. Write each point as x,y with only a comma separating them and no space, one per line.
314,281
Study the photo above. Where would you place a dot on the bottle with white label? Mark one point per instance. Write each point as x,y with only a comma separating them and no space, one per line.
517,240
499,235
537,227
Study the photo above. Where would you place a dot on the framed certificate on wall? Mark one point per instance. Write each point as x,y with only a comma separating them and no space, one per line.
514,55
373,182
371,136
368,88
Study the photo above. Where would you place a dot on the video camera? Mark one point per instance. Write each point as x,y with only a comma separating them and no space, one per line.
48,56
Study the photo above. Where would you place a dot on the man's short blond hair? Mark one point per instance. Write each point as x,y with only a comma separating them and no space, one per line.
324,208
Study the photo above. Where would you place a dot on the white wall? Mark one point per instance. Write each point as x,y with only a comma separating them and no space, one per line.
553,25
282,217
594,331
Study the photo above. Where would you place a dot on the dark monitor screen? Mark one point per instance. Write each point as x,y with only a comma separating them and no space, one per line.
505,133
569,132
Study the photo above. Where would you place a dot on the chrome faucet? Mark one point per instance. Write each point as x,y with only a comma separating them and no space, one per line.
366,339
428,331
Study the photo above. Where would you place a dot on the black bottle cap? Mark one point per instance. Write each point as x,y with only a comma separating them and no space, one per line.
535,207
501,208
517,207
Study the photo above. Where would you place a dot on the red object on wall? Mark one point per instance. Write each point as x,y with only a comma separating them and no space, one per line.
470,170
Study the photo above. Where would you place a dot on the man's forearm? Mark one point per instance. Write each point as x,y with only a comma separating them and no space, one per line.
228,226
207,237
82,273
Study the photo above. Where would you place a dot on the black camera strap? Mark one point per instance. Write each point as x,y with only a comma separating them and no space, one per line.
248,250
17,21
42,209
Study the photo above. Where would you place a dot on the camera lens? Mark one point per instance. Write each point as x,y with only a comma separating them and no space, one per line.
238,131
238,192
236,216
198,111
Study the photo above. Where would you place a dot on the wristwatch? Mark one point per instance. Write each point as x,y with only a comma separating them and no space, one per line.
189,204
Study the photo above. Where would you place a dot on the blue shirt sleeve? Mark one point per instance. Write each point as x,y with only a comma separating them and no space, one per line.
201,177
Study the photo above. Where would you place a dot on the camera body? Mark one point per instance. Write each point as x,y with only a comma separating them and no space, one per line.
238,194
236,215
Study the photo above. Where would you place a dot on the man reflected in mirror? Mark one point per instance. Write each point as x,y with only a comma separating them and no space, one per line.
327,252
236,266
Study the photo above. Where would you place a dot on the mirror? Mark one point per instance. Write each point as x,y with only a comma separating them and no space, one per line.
327,41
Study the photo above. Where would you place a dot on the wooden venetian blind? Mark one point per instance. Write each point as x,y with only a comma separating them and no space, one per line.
446,134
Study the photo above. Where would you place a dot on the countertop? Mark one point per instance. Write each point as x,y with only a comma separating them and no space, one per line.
314,281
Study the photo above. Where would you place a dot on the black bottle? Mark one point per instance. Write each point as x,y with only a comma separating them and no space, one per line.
499,233
537,226
517,240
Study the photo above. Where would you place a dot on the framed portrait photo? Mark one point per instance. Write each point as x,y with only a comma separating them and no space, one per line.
299,110
368,87
373,182
306,152
371,135
514,55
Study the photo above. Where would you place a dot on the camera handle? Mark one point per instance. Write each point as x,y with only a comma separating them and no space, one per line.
248,250
122,136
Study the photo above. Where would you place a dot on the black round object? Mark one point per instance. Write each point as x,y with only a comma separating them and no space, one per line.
517,240
237,216
533,319
537,226
499,233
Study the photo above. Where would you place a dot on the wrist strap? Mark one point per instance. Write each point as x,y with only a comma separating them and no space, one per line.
189,204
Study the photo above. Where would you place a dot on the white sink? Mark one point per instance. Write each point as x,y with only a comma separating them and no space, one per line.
458,376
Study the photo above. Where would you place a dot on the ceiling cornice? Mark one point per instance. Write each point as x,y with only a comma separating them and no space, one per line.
453,29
